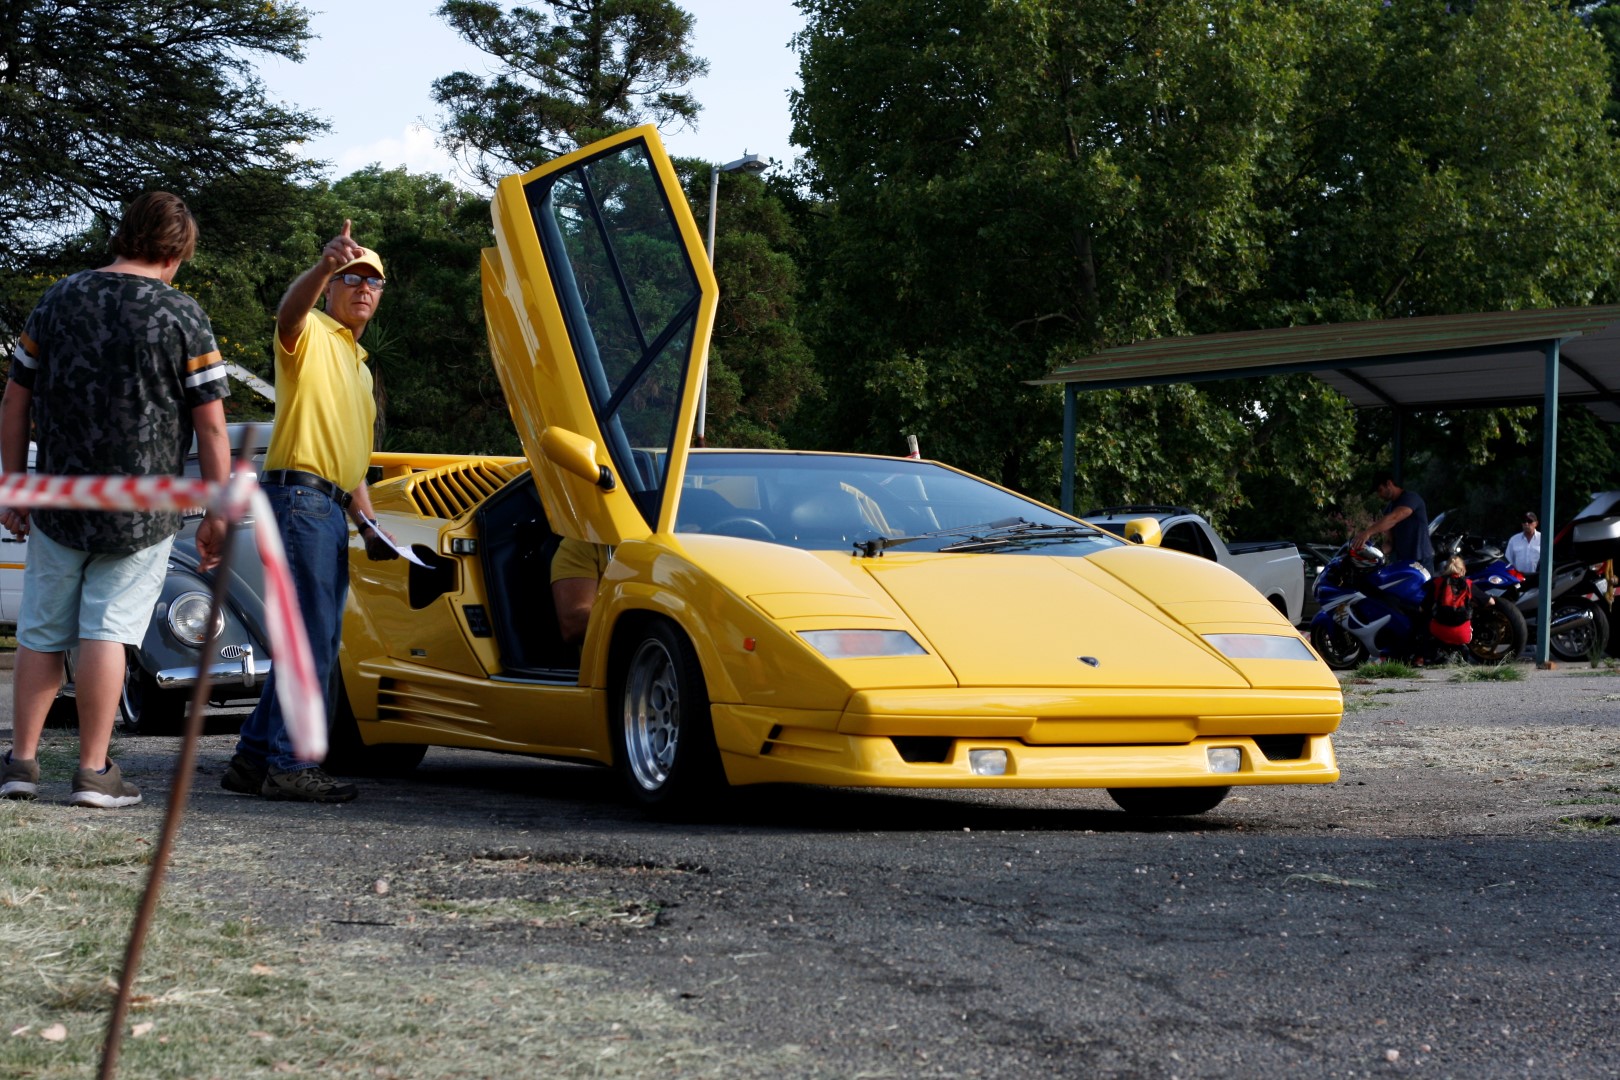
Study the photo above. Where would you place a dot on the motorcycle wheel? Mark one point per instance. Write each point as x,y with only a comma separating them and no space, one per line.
1499,634
1579,643
1335,645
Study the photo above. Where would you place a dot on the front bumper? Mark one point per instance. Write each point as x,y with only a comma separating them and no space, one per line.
809,754
246,670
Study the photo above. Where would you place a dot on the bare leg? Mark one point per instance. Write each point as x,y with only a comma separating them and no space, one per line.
34,683
98,679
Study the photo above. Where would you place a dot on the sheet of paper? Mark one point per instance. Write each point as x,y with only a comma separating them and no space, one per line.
404,552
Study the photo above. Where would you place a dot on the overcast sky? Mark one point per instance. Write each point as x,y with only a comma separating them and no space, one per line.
369,72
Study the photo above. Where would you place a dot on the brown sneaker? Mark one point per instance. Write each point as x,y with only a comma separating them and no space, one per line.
105,790
19,779
306,785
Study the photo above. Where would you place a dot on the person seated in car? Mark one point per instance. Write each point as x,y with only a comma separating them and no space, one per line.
576,573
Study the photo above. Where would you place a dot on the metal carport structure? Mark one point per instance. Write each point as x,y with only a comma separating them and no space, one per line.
1490,359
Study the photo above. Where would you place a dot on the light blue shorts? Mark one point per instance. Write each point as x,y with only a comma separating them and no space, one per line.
70,595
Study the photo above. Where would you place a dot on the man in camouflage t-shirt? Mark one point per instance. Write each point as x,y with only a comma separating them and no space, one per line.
115,369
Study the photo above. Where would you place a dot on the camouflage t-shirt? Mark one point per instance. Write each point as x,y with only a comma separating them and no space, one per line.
115,364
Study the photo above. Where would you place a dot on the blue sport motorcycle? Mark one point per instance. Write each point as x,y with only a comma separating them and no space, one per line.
1369,607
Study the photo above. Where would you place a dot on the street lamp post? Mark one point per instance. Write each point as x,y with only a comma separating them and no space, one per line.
748,163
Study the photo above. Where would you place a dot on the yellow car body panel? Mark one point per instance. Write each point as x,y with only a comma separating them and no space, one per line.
854,620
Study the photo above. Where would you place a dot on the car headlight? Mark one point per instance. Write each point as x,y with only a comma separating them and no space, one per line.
188,618
858,644
1260,646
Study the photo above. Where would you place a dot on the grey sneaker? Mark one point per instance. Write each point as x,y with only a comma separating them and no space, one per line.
244,775
18,779
106,791
306,785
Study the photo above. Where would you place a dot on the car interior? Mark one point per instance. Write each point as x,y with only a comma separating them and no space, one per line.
516,545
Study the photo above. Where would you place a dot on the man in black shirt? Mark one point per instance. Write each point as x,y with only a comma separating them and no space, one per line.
1405,519
114,371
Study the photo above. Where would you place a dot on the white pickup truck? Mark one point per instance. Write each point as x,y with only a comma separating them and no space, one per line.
1274,567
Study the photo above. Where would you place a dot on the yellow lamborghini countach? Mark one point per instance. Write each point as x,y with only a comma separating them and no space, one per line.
772,617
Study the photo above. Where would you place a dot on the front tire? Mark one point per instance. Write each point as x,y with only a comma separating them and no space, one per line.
1168,801
1335,645
664,744
1499,633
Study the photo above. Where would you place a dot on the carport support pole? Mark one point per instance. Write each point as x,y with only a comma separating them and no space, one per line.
1549,478
1066,501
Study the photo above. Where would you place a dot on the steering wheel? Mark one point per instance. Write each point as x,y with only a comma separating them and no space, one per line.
747,528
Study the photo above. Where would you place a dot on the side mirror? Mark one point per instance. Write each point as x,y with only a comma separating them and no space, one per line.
1144,531
575,453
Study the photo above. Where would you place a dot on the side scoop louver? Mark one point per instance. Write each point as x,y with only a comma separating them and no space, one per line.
452,490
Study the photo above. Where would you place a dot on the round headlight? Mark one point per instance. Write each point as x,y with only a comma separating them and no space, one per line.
188,618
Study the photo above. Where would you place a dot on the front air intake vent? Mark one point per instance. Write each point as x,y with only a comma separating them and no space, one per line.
1281,747
452,490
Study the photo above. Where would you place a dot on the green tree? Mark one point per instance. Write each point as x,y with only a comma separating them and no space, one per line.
760,367
1008,185
582,70
99,102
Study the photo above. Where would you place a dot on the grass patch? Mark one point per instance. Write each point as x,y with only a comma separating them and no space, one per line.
1388,669
219,995
1331,879
1488,673
590,911
1589,822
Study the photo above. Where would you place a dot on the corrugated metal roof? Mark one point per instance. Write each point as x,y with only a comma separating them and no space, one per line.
1441,361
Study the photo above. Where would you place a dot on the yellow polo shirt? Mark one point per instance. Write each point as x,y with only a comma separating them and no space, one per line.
324,406
579,559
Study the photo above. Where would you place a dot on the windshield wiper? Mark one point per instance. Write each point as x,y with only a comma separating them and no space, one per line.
1024,533
985,535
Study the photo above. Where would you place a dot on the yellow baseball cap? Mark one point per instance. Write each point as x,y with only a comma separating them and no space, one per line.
367,257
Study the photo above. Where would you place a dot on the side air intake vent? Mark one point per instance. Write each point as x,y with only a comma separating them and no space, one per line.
452,490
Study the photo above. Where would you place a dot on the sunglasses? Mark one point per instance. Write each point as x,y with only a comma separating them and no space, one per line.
354,280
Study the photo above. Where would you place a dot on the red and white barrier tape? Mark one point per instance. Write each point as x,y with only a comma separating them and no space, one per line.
303,703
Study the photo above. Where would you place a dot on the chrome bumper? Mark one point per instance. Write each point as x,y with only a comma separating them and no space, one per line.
244,670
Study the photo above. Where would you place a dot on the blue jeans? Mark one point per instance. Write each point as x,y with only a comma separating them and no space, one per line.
315,534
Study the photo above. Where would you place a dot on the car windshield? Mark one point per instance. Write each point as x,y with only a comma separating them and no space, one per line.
825,502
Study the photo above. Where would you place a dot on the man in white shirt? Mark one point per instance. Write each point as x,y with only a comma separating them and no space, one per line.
1524,549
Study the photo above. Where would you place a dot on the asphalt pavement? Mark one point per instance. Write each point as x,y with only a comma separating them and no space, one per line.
1451,908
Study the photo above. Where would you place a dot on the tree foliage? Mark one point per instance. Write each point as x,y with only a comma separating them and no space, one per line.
99,102
582,70
1009,185
760,368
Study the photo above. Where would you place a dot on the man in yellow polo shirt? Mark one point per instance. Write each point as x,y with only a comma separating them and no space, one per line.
314,474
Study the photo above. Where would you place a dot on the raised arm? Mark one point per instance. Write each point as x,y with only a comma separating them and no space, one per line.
307,287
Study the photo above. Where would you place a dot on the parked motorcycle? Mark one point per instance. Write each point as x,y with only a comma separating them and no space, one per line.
1370,607
1580,619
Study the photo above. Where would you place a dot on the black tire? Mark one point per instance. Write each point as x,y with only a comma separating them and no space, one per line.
1168,801
1341,651
663,735
1499,634
347,753
143,709
1580,643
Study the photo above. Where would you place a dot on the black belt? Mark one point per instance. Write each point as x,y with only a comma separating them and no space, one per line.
306,479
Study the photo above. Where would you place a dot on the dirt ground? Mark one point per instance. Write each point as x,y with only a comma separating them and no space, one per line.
820,932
